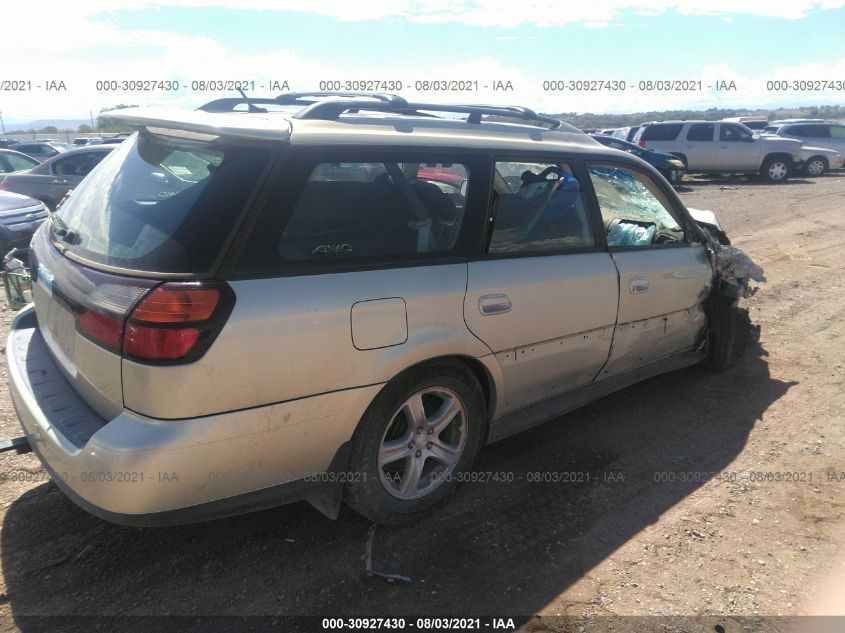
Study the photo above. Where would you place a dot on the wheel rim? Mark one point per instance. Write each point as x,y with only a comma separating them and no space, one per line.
777,171
815,168
423,443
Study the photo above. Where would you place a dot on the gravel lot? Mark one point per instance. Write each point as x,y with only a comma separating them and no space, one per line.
709,494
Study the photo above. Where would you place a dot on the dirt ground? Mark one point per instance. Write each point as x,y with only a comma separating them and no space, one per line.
708,495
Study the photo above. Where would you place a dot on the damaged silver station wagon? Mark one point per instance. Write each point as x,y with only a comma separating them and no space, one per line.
338,297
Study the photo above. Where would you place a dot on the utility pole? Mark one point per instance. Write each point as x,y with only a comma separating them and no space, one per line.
2,125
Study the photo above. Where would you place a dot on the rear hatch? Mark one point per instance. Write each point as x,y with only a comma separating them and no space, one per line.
124,269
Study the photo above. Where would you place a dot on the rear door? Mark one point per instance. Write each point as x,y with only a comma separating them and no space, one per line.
543,297
837,138
68,171
700,147
663,277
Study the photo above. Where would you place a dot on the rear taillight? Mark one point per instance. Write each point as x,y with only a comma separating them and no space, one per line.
173,323
100,328
159,343
4,185
641,143
176,321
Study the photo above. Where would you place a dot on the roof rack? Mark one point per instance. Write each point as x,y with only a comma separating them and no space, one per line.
330,105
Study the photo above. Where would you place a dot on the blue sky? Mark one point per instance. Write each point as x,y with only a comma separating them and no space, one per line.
748,43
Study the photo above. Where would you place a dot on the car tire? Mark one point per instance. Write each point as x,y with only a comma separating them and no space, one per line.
406,457
727,332
815,166
776,169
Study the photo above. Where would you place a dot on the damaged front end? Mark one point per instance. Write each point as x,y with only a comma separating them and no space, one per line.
733,269
729,327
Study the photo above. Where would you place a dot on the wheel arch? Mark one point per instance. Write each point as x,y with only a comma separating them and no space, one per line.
473,365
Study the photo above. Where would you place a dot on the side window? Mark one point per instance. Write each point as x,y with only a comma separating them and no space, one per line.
701,132
72,165
837,132
359,210
634,210
730,133
817,131
19,162
538,207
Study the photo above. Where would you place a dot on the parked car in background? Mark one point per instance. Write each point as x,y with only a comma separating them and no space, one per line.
117,138
756,123
814,132
11,160
670,166
286,305
41,150
608,131
626,133
54,178
19,217
8,142
720,147
818,160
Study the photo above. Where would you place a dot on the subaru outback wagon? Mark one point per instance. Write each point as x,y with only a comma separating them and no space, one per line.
342,297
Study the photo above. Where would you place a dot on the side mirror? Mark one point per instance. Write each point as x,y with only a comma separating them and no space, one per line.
755,136
463,188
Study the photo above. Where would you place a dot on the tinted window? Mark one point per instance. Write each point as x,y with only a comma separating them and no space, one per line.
162,204
631,133
772,129
20,162
701,132
661,132
634,210
837,132
363,210
538,207
816,131
730,132
78,164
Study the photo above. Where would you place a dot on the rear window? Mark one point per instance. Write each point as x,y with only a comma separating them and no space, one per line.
354,211
661,132
161,204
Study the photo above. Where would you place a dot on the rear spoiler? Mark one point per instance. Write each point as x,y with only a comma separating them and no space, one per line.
248,125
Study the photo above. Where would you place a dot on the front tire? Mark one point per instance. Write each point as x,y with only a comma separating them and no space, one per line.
815,167
727,332
776,169
420,433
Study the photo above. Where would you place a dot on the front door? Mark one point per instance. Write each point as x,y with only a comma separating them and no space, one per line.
737,149
662,277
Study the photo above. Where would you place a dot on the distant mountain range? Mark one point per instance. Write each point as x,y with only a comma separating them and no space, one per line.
62,124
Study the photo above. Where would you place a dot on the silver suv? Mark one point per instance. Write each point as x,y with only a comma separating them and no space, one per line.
331,297
722,146
814,132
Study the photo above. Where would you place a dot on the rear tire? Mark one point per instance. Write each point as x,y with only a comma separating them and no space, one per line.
420,433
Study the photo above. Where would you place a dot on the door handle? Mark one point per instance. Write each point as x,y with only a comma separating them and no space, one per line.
639,285
494,304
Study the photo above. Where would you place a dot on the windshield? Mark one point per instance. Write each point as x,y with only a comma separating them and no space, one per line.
160,204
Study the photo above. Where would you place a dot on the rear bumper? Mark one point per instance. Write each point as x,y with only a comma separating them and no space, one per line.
142,471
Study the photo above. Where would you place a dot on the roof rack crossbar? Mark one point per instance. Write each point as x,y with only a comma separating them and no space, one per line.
228,104
330,105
